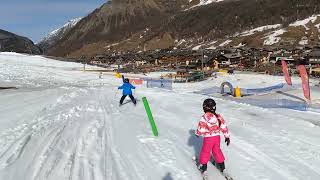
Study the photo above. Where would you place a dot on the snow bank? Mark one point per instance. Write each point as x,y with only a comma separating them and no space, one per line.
260,29
239,45
204,2
197,47
273,38
303,42
304,22
225,43
180,42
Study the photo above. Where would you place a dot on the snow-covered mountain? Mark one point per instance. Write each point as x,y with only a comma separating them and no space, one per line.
57,34
300,33
142,25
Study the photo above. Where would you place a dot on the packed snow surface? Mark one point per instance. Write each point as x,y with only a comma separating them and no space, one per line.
63,123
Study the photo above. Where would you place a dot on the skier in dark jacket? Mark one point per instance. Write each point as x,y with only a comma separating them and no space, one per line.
126,91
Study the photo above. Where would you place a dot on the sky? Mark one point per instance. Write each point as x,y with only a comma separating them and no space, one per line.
36,18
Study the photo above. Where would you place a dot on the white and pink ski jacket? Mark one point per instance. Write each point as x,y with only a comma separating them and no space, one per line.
209,126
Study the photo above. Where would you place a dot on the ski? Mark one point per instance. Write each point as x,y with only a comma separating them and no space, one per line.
204,175
226,176
127,102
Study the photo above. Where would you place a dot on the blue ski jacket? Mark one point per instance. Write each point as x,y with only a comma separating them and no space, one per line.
126,88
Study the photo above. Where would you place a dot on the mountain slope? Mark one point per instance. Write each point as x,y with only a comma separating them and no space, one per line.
47,42
138,25
116,20
12,42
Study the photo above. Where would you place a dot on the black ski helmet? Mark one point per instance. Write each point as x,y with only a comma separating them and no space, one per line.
126,80
209,105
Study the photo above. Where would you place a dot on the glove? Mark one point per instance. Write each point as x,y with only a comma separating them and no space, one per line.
227,140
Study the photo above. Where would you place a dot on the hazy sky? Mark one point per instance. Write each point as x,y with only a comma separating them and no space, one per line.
36,18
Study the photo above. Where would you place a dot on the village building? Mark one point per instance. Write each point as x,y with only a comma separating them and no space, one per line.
314,57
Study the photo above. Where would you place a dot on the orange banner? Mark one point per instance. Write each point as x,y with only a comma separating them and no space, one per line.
286,72
305,81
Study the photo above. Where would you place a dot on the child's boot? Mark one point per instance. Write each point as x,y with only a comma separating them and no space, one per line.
202,168
221,166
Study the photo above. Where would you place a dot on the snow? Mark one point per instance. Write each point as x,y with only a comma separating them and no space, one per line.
212,47
206,2
239,45
225,43
197,47
203,3
63,123
212,42
318,27
61,30
304,22
111,45
181,42
303,42
272,38
260,29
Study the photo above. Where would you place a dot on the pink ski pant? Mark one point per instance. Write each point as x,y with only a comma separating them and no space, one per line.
211,144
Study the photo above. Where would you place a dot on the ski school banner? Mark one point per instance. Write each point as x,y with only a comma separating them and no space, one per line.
136,81
159,83
286,72
305,81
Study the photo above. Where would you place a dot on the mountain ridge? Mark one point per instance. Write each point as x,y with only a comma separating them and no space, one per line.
48,41
10,42
139,25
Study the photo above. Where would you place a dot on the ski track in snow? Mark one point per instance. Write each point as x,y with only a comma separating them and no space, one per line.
66,124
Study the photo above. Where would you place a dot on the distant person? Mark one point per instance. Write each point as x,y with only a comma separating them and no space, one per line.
127,91
214,74
231,71
161,81
210,126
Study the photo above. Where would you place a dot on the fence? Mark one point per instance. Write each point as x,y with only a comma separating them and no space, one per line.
265,89
275,102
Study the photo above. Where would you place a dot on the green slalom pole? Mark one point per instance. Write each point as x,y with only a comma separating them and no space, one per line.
149,113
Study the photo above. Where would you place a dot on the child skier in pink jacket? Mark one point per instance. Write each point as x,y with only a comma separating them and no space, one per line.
210,126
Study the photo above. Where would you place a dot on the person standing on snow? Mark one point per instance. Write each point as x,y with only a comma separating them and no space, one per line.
126,91
210,126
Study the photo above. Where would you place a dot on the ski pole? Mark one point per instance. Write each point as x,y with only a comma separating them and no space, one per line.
115,94
150,116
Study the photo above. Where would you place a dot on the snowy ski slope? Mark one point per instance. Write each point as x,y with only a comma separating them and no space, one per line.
63,123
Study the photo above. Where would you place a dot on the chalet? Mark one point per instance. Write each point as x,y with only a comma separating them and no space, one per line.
314,57
187,76
232,58
276,58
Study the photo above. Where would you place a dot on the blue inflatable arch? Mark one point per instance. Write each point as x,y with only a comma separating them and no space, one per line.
228,85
